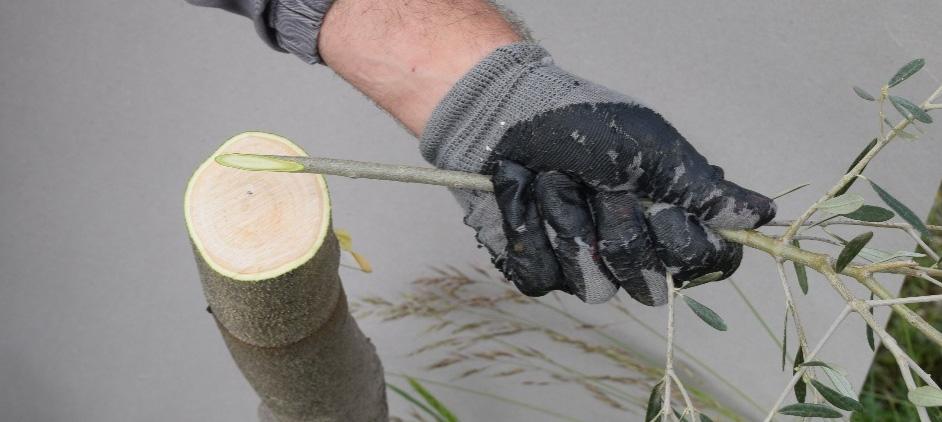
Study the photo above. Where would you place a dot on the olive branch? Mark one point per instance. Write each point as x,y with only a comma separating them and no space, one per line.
842,208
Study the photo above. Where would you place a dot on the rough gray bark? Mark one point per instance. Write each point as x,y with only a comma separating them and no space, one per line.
295,342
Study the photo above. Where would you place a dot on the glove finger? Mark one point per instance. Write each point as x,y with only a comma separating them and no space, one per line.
619,147
571,231
726,205
627,248
529,261
687,248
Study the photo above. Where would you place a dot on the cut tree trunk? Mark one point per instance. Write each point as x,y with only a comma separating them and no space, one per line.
268,258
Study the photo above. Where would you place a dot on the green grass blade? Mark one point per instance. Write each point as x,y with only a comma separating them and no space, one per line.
405,394
432,401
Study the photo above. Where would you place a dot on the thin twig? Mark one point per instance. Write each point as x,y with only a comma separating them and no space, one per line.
850,222
915,299
790,305
669,359
856,170
810,356
922,244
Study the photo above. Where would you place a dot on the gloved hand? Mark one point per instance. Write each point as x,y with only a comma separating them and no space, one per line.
571,162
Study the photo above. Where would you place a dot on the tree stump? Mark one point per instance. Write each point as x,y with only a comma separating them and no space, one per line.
267,259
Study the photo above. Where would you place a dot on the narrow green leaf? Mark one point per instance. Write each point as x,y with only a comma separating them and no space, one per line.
835,375
926,396
902,210
863,94
860,156
910,110
843,204
706,314
877,256
655,401
902,133
809,410
801,272
785,339
906,71
851,249
906,135
705,418
870,331
801,389
704,279
433,402
404,394
839,381
871,213
789,190
815,363
837,399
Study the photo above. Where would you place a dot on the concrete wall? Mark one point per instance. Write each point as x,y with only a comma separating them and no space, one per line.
106,107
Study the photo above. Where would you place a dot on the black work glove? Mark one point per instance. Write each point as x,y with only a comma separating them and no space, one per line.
571,163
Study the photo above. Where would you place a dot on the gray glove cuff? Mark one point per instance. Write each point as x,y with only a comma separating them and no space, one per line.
297,24
511,84
285,25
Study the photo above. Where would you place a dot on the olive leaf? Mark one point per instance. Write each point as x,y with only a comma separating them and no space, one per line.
871,213
837,399
801,389
909,69
785,339
901,209
655,401
706,314
839,380
870,330
926,396
801,272
910,110
877,256
863,94
814,363
843,204
809,410
704,279
902,133
860,156
851,249
835,375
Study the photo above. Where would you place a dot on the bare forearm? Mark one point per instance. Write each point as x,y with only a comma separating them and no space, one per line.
406,54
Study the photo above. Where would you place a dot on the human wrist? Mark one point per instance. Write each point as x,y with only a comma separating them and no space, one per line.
406,56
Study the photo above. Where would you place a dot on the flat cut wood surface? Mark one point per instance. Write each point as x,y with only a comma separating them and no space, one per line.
255,222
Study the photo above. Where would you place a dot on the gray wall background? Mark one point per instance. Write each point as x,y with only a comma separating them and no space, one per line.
106,107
